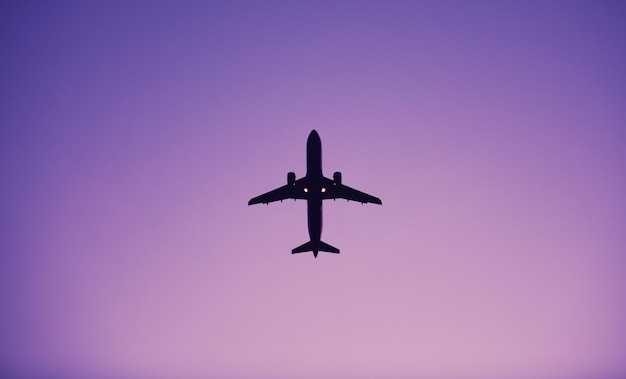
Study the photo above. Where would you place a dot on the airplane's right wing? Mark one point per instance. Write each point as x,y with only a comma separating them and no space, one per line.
279,194
340,191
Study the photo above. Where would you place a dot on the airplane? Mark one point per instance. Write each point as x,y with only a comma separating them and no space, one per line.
314,188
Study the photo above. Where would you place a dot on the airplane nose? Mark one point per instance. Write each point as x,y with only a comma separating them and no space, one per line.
313,135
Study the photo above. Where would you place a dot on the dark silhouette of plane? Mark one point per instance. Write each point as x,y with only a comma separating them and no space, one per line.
314,188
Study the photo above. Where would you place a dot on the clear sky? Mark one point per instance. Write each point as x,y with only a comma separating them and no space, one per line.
133,134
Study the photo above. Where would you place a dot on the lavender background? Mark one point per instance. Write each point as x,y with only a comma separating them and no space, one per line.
133,135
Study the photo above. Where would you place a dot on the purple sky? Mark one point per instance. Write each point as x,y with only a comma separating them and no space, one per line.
133,135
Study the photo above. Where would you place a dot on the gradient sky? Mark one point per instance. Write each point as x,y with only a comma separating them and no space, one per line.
132,135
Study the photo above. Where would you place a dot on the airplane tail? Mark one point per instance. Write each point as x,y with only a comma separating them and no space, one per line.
315,248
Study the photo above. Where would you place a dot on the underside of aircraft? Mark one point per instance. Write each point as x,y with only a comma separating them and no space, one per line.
314,188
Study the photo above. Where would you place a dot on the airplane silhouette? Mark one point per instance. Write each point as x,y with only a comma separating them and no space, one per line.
314,188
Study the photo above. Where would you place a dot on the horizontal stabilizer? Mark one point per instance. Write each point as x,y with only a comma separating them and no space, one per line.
315,248
327,248
308,246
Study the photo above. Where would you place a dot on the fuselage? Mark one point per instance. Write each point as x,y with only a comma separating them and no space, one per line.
314,191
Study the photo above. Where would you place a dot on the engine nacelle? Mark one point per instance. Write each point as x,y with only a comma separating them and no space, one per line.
291,178
337,178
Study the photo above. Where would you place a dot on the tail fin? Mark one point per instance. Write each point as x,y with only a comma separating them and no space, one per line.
315,248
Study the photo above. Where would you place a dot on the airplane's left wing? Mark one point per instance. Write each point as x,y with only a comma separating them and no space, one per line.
341,191
282,193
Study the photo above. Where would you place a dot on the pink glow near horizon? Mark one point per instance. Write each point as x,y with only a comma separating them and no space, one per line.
133,136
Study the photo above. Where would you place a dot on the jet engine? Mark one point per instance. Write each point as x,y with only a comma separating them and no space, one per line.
291,178
337,178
